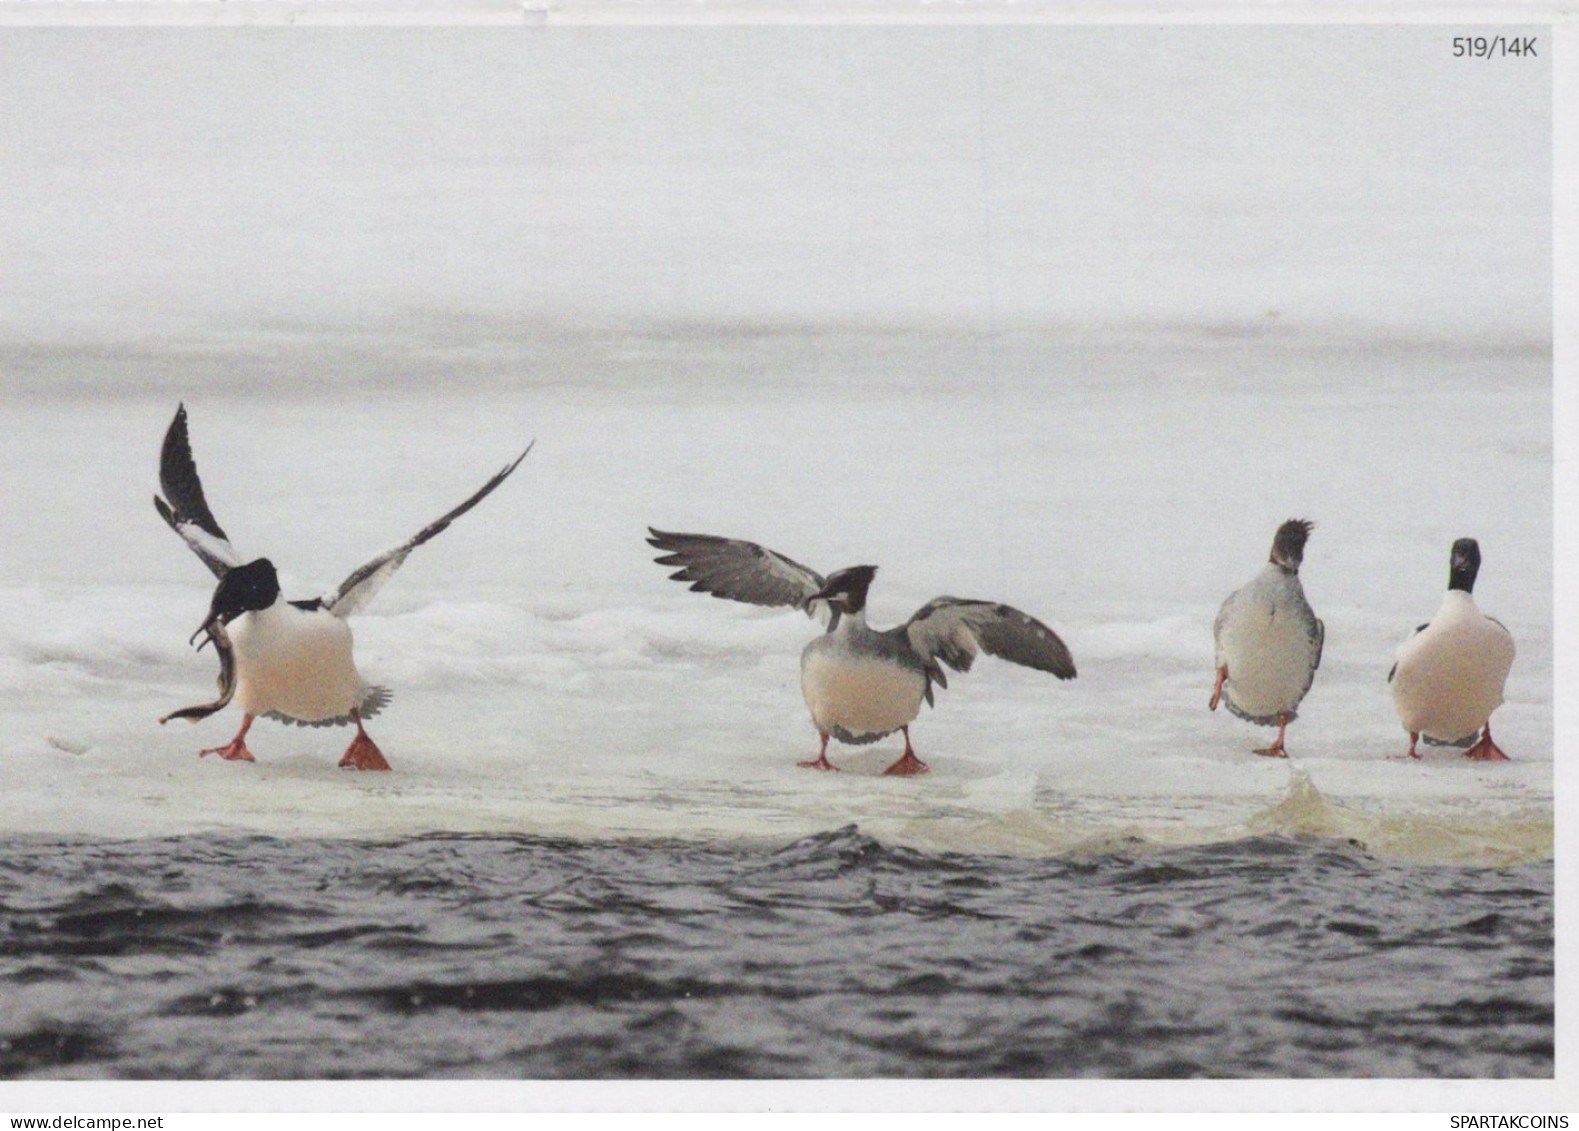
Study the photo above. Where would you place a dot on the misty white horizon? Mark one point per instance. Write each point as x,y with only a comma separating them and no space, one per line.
164,181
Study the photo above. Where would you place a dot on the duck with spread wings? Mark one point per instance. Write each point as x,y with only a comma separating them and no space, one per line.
281,659
861,683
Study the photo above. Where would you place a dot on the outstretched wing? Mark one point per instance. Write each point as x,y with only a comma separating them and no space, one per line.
950,630
184,508
358,589
739,571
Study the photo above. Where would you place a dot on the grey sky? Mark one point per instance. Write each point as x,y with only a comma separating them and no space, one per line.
156,178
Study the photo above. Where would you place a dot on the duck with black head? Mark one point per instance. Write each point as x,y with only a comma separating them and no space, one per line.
286,660
1449,676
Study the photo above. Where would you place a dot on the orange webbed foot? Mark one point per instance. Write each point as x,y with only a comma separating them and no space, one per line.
233,751
908,765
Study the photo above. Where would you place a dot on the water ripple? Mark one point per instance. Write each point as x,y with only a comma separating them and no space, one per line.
835,955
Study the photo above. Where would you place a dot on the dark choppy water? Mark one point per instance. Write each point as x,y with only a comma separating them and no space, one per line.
200,957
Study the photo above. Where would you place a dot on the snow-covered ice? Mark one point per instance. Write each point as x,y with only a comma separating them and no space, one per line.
1070,318
549,679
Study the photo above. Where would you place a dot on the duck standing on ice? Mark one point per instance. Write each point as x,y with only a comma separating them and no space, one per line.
860,683
1450,673
1269,641
287,660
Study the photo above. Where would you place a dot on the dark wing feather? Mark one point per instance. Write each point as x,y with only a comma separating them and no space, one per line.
1394,669
374,700
358,589
184,508
736,570
950,630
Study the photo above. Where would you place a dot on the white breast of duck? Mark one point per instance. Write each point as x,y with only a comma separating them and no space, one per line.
860,684
1271,642
1451,673
295,662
